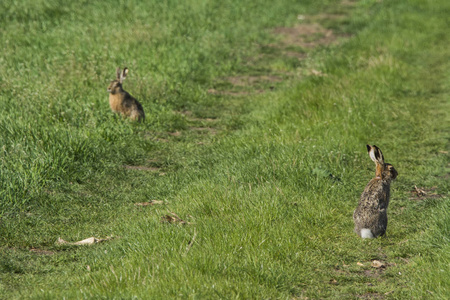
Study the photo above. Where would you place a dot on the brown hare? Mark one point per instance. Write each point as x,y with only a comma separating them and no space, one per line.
370,216
121,101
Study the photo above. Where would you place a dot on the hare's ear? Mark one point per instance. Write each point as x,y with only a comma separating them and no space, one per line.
375,154
118,73
379,156
124,74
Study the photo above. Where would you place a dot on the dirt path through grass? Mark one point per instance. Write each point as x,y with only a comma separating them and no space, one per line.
243,180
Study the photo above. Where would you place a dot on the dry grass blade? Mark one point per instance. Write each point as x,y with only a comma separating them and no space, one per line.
173,219
89,241
191,242
317,73
176,133
41,252
333,281
419,192
152,202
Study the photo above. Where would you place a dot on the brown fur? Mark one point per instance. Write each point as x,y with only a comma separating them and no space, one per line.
121,101
371,212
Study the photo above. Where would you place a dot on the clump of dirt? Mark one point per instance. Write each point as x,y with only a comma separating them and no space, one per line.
419,194
377,267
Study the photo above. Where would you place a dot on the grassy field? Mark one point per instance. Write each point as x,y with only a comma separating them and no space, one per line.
257,117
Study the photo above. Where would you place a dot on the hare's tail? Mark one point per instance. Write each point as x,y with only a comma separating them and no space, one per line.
366,234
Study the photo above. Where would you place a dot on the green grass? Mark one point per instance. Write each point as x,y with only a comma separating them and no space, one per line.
263,158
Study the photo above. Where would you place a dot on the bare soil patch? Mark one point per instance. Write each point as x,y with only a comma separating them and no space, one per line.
375,269
348,2
305,36
292,42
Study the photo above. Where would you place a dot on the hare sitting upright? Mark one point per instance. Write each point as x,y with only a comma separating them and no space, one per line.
121,101
370,216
